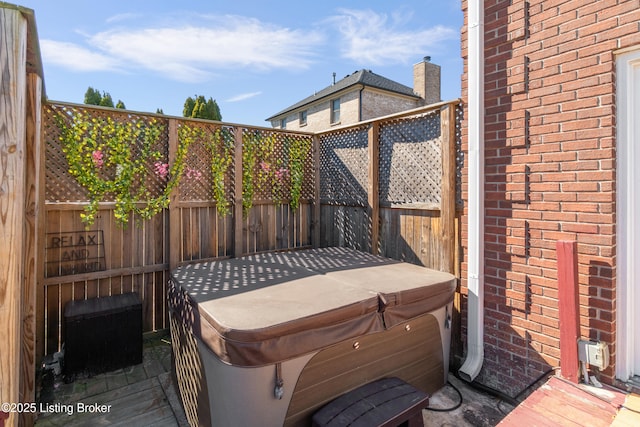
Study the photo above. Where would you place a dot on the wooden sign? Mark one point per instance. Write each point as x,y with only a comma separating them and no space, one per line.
74,252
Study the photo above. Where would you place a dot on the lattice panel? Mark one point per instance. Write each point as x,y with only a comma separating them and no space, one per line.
60,185
212,141
271,157
344,160
411,160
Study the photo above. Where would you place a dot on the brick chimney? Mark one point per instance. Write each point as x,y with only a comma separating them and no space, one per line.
426,81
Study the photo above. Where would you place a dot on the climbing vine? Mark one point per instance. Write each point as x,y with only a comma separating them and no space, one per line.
298,152
123,161
114,158
268,166
220,144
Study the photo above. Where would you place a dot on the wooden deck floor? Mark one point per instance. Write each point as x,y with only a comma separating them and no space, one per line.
559,403
140,395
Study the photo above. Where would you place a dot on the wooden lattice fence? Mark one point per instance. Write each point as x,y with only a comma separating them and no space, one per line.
392,181
107,258
386,186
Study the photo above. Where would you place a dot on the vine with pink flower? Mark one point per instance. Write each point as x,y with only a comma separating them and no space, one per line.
220,145
273,165
110,158
120,159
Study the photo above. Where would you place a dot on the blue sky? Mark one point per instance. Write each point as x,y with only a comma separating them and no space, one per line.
254,58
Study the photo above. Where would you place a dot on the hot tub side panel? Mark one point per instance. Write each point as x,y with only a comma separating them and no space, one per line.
188,367
416,351
245,396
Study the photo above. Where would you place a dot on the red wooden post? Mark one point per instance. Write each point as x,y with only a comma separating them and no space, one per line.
567,254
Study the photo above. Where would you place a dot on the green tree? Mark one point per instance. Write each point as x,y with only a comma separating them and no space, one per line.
159,111
106,100
92,97
201,108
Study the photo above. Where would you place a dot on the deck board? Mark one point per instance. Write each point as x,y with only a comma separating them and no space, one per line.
559,403
140,404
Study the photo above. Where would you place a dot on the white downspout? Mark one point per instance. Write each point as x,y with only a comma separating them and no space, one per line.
475,260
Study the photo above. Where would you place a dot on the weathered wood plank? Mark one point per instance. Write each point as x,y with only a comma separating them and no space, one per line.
568,307
373,190
317,207
237,194
34,236
142,403
13,33
174,211
448,190
52,316
205,232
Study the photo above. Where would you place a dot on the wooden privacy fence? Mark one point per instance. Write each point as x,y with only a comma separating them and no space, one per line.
234,198
390,186
386,186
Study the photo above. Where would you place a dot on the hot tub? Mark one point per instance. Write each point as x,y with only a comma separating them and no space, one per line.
266,339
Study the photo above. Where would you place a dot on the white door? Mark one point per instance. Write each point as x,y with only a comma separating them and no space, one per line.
628,215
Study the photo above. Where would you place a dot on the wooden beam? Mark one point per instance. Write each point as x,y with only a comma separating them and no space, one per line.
33,257
13,33
175,228
448,189
315,225
373,190
237,194
41,243
567,254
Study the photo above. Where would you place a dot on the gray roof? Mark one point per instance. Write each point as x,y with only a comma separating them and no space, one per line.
362,77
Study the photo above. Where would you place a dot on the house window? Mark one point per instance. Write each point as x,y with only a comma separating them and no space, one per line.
283,123
302,116
335,110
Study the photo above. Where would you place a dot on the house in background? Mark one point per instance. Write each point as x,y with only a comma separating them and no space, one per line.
360,96
552,147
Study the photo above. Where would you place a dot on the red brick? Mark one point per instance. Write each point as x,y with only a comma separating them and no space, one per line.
580,186
580,228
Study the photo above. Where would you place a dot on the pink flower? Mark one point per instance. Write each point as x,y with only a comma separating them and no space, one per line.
97,157
282,173
194,174
161,169
264,166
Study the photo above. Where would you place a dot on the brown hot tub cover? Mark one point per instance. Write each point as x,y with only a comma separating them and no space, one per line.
271,307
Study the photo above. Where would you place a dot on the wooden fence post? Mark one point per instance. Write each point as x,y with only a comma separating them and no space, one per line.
34,242
13,51
373,190
316,192
448,191
175,229
567,254
237,194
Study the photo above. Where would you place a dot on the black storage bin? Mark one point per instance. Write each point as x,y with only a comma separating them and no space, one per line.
103,334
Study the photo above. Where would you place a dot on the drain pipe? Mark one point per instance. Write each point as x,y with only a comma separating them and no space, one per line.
475,262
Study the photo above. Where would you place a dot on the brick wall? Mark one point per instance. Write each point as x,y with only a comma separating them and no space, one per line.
319,114
377,104
550,174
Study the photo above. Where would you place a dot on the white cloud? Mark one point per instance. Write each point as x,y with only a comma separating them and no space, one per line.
243,96
121,17
371,38
76,58
190,53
